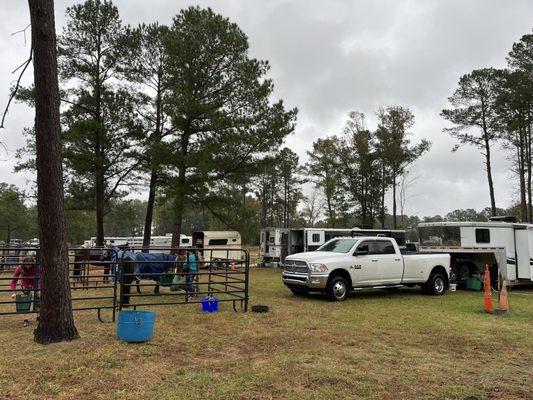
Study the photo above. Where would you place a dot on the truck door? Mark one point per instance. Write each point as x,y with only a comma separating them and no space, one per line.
364,270
522,254
390,264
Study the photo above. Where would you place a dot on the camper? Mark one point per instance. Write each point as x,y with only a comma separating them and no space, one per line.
163,242
218,245
278,243
502,243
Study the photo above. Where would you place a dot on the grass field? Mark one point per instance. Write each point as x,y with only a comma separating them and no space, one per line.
375,345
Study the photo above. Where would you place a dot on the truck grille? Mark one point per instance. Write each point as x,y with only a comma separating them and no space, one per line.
299,267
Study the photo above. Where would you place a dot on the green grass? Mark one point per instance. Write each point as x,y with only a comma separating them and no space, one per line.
378,344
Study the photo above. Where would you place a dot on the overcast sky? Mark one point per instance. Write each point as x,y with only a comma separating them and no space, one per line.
332,57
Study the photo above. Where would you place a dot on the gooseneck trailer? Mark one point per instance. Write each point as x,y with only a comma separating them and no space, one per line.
506,246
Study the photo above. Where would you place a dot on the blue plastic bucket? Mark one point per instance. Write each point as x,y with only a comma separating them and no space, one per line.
205,304
209,304
135,326
214,304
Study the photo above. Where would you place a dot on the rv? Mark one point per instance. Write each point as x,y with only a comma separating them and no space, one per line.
163,242
506,246
278,243
218,245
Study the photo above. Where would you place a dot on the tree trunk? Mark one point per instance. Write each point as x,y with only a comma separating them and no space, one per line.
330,211
489,176
528,161
56,322
147,235
521,173
99,192
178,221
394,222
150,210
181,192
383,188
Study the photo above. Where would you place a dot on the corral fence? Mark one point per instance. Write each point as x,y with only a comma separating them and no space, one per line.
107,280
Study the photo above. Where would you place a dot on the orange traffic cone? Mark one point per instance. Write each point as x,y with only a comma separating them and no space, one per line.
504,301
488,298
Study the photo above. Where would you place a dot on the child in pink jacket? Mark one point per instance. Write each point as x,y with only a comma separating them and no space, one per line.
27,274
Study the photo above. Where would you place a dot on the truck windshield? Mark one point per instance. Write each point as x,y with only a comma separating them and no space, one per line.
338,245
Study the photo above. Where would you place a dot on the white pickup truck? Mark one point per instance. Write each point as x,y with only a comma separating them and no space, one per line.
345,264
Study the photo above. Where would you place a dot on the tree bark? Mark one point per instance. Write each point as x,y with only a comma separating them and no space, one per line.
56,322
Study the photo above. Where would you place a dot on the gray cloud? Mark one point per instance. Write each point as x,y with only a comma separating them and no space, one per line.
331,57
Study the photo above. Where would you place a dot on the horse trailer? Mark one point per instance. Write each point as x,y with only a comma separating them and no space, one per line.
507,247
137,241
277,243
273,245
217,245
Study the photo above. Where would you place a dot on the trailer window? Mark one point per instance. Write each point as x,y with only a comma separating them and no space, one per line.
316,237
440,236
218,242
482,235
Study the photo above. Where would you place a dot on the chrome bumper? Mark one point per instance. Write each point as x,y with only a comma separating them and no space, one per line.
309,281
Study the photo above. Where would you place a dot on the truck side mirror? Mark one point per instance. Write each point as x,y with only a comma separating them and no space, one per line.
360,252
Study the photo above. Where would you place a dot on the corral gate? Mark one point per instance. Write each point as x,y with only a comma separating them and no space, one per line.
99,279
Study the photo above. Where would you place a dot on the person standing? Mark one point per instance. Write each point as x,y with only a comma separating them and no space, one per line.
28,275
190,267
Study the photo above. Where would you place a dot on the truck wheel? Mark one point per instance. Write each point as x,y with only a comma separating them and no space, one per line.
436,284
337,289
300,292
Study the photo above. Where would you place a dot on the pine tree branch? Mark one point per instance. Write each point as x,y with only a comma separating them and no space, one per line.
24,66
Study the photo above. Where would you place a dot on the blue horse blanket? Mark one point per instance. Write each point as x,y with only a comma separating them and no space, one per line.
152,265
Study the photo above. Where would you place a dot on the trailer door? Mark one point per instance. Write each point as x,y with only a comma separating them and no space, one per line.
522,254
284,245
315,239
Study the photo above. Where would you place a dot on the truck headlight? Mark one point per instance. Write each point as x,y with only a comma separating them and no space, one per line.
318,268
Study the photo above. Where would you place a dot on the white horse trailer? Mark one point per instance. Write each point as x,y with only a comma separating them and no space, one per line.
278,243
164,242
507,247
218,245
273,246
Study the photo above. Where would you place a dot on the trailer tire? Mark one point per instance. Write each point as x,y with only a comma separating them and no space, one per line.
337,289
436,284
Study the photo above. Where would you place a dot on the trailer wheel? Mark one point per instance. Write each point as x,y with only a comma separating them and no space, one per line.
337,289
436,284
300,292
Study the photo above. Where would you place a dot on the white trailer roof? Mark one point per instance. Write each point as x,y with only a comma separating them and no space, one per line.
488,224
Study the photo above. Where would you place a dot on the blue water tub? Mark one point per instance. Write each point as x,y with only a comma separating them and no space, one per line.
135,326
209,304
